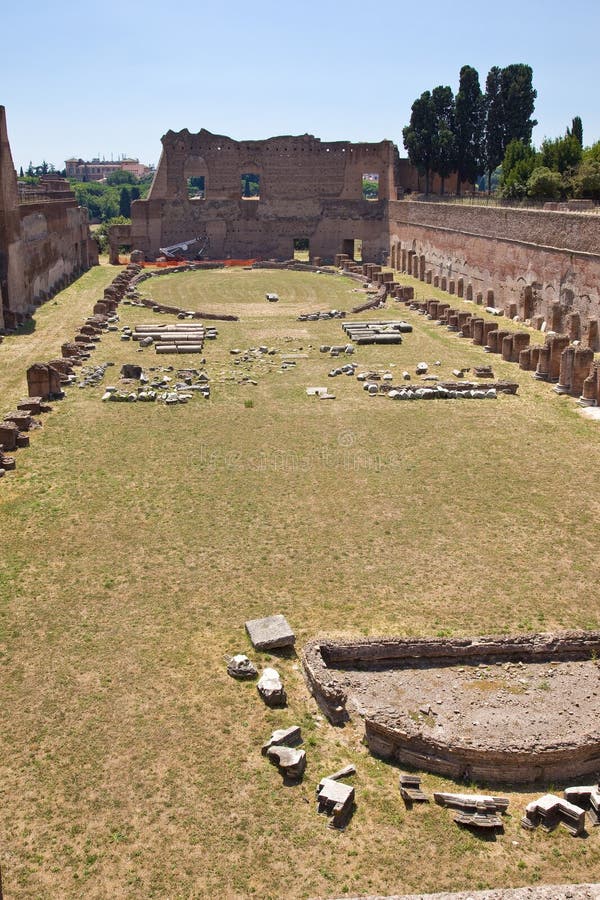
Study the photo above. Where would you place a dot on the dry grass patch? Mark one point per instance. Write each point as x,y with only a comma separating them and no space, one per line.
137,539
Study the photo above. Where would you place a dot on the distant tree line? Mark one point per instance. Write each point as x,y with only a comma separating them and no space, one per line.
104,200
469,133
107,199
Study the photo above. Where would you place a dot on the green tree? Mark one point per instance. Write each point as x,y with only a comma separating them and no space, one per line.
124,203
135,193
121,177
444,153
517,166
493,132
518,102
576,130
420,136
561,154
586,181
544,184
468,127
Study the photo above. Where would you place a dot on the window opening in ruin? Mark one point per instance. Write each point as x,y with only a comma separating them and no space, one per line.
196,187
301,249
358,250
250,186
370,186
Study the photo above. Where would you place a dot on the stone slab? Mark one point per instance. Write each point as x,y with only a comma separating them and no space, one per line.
270,633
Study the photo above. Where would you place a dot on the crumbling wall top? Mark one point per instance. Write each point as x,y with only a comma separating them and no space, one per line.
289,167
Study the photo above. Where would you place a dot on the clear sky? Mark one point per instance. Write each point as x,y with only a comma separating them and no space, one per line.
109,78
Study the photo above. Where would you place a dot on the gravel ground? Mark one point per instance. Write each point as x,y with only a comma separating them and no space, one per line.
498,706
546,892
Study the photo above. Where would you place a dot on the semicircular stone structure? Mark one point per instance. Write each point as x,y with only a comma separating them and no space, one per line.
497,709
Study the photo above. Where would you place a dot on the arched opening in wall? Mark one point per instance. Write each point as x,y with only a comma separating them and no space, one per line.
195,172
370,186
301,249
250,186
352,247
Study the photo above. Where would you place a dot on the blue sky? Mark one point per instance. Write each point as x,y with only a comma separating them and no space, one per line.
110,78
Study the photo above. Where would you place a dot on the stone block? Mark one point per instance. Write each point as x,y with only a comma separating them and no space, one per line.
270,632
270,687
9,433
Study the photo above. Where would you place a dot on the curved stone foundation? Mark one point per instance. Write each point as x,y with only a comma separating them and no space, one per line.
496,709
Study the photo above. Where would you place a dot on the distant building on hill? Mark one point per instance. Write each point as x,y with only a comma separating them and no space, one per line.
98,170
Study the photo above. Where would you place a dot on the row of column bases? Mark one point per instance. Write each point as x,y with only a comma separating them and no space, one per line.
559,319
570,366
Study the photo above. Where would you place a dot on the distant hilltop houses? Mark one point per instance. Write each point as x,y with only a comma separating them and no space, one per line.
98,170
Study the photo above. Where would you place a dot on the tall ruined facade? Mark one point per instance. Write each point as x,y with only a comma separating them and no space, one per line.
306,190
44,239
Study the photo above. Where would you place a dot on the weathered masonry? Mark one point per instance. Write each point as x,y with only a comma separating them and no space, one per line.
528,262
44,239
261,198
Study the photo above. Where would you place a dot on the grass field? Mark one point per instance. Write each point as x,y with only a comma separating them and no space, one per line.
137,539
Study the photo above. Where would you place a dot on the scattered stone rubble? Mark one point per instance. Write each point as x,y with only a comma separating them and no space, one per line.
348,369
336,799
379,332
282,749
270,687
444,390
159,387
239,666
474,810
91,376
545,892
324,314
549,811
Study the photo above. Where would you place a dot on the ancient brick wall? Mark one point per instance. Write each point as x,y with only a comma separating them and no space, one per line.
43,244
308,189
56,248
555,255
11,266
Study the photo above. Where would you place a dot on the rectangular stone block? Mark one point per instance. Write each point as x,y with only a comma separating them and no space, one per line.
270,632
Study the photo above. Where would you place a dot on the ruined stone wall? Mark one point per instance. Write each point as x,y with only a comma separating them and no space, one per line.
308,189
246,229
556,255
11,263
56,248
290,168
43,244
